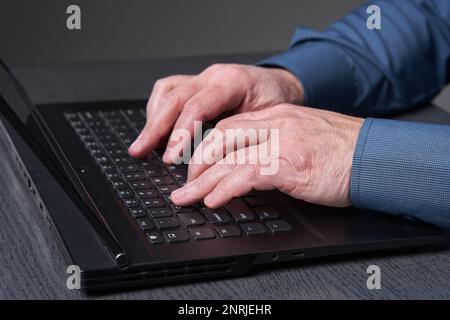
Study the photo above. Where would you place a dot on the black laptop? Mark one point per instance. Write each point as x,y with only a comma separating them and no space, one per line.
113,216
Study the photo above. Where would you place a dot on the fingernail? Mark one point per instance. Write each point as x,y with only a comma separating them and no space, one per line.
135,146
167,155
179,194
207,200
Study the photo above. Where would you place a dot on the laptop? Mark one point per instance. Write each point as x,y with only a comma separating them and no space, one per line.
113,217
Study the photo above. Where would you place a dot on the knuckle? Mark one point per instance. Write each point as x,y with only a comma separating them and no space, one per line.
251,172
231,160
160,83
215,67
195,185
222,125
234,71
193,107
283,108
172,98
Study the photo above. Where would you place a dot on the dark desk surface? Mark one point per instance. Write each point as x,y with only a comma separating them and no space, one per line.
31,265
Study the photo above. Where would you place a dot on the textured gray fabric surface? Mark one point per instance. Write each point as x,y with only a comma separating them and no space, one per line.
31,265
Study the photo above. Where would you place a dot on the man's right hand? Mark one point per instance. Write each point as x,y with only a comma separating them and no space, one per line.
177,101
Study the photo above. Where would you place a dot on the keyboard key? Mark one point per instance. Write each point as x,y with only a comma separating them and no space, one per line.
162,180
267,213
118,126
216,215
134,176
112,114
108,172
112,145
92,145
101,160
202,233
159,212
96,152
147,164
145,224
146,193
178,208
87,138
119,184
138,212
278,226
126,134
112,175
256,201
176,236
125,193
253,228
239,210
228,231
106,138
171,168
191,219
137,185
179,176
108,168
243,216
128,141
116,153
166,223
130,168
71,116
155,172
131,203
99,129
167,189
152,203
123,160
154,238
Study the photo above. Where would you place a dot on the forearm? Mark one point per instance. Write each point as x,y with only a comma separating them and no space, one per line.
403,168
349,68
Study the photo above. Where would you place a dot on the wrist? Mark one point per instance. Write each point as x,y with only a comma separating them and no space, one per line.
290,85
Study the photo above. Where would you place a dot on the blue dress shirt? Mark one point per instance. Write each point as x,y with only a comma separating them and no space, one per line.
398,167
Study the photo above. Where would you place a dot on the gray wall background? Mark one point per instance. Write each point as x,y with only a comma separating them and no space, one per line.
34,32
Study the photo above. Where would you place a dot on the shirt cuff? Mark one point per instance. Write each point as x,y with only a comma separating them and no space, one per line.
403,168
324,71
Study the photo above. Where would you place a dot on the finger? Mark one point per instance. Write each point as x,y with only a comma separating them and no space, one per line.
196,190
207,181
160,121
239,182
161,88
207,104
228,136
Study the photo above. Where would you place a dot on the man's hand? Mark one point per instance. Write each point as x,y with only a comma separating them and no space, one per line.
315,158
177,101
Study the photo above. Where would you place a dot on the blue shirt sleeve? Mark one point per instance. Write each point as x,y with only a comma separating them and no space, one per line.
398,167
403,168
350,68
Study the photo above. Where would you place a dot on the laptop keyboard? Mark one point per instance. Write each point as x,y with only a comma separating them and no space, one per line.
145,185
